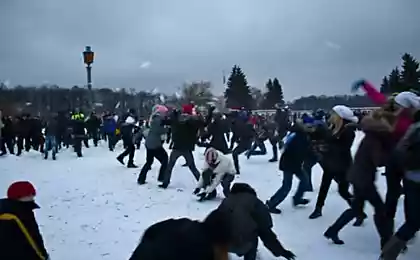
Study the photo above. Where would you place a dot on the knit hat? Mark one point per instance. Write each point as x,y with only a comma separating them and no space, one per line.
408,99
20,189
188,109
345,113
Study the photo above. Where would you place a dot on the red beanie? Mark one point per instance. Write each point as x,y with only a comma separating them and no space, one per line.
187,109
20,189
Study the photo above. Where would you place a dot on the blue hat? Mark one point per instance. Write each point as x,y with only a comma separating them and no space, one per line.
307,119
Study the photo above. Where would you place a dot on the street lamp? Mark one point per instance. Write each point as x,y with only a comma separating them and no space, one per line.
88,57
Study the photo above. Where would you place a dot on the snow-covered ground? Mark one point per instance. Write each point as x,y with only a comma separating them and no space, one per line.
92,208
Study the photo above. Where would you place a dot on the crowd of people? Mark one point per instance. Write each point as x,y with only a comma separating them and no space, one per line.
391,139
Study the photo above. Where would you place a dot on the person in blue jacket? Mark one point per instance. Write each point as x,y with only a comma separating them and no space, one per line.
296,149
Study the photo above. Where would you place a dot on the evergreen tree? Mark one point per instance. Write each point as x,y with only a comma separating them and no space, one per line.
394,80
410,74
237,93
385,87
274,94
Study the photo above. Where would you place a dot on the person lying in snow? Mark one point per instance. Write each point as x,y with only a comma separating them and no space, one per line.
218,169
19,233
250,220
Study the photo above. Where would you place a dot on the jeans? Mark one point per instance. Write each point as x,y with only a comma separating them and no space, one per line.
284,190
50,144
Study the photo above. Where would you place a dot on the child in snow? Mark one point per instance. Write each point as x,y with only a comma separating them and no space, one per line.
218,169
19,233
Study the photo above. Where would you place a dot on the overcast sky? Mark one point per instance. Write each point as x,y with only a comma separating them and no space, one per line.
312,46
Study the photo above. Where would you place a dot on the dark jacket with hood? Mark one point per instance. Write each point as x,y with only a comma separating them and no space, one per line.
13,242
250,219
372,151
297,148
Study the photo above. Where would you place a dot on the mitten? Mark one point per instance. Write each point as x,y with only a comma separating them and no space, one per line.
288,255
202,196
196,191
356,85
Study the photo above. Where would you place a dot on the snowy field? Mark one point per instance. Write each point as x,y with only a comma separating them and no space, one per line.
92,208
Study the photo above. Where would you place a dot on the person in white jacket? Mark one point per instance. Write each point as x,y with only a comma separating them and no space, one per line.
218,169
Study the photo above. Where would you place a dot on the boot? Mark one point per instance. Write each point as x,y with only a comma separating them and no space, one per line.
273,160
272,210
121,160
300,202
131,165
316,214
331,234
392,249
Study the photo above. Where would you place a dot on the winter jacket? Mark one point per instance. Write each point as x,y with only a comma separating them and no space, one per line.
7,131
17,228
250,219
51,129
403,122
216,130
224,166
185,131
336,152
296,150
372,151
408,150
245,131
1,123
110,125
156,132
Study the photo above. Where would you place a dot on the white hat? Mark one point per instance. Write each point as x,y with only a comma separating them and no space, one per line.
407,99
130,120
345,113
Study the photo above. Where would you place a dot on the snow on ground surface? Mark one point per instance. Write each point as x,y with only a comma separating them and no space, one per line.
92,208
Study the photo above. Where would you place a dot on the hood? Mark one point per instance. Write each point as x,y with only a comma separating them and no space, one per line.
371,124
242,188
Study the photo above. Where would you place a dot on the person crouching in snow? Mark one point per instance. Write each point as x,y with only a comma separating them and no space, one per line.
19,233
250,220
218,169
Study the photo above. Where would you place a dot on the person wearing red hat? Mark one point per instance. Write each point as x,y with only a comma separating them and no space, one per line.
20,237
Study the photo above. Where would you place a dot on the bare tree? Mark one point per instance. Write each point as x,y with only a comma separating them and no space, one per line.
197,92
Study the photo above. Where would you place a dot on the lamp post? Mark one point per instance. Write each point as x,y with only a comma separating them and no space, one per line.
88,57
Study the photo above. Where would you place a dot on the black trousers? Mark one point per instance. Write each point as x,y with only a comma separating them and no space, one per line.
77,144
7,142
242,147
362,194
129,150
274,145
189,160
161,155
343,188
412,207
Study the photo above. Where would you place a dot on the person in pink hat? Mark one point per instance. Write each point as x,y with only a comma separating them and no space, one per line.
20,237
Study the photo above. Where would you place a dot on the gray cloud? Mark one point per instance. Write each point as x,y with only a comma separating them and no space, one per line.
317,46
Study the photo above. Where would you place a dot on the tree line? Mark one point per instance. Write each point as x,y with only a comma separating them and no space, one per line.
52,98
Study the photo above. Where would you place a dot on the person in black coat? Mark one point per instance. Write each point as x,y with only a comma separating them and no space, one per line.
297,147
243,134
185,127
335,154
7,136
19,233
186,239
250,220
216,131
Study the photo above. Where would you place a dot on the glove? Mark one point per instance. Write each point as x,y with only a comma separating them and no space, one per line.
202,196
196,191
356,85
288,255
